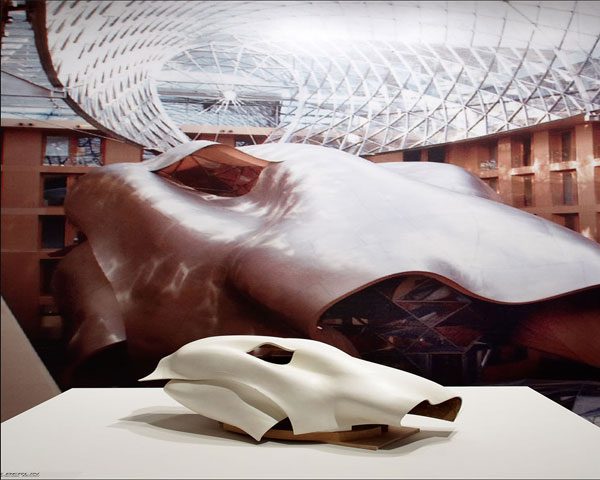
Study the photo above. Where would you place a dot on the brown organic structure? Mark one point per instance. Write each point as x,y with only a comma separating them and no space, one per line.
209,240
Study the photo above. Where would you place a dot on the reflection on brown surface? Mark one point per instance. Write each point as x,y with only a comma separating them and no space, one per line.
568,327
230,174
84,294
209,240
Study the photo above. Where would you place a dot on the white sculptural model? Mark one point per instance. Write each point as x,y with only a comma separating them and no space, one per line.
319,388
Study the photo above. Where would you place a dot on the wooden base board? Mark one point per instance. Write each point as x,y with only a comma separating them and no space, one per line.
370,437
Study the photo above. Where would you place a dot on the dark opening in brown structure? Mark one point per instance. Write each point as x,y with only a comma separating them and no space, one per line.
447,410
220,171
272,354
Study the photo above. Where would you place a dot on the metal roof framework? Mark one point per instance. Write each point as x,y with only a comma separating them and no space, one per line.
363,77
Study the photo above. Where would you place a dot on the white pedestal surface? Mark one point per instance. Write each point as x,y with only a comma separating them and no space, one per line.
501,432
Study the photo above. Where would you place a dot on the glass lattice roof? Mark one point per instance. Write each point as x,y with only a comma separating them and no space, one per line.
364,77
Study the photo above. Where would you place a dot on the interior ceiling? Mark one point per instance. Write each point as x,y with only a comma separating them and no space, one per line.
364,77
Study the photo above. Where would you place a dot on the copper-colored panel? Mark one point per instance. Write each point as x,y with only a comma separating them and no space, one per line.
20,189
568,327
20,273
19,232
86,299
23,147
316,227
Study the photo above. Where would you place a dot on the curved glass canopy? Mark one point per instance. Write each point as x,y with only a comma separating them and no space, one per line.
363,77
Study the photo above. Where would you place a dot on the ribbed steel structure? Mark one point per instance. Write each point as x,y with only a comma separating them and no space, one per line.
363,77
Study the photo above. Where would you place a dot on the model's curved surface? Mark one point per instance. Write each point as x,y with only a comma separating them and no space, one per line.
320,388
314,228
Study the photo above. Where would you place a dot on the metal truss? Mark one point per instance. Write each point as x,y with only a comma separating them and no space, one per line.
363,77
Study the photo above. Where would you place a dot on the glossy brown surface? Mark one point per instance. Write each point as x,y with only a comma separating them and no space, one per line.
568,327
84,293
213,169
321,224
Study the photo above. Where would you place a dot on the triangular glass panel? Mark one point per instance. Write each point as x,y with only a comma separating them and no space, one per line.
432,342
459,335
431,313
401,333
366,341
387,287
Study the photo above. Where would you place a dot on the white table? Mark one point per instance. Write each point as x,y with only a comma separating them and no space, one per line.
143,433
